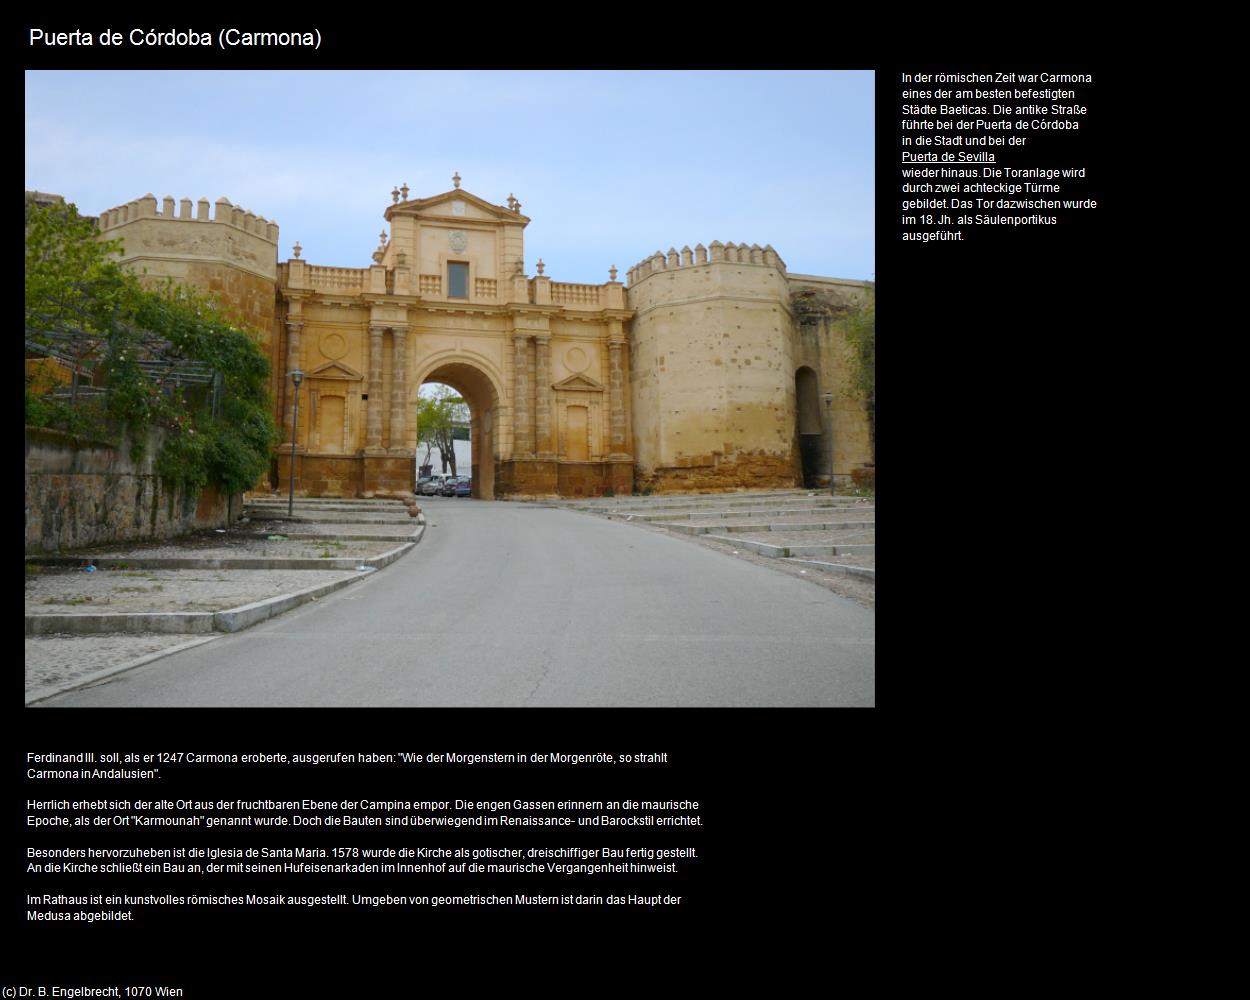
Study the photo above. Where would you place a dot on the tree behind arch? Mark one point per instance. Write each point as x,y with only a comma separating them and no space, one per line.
441,409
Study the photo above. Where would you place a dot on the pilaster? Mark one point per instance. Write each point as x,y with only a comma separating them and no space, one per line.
373,424
522,434
617,443
294,329
399,391
543,445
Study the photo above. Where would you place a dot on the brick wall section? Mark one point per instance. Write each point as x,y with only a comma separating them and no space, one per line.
81,492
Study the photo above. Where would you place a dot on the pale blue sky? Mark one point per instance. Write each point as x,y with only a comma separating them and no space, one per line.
609,166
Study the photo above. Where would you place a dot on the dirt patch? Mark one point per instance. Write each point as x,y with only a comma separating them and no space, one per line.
68,591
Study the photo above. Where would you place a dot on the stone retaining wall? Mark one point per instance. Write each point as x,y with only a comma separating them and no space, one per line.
82,492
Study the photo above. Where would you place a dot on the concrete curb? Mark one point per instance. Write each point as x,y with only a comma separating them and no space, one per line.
837,568
703,529
237,619
336,519
676,509
690,514
41,693
200,622
230,620
310,536
778,551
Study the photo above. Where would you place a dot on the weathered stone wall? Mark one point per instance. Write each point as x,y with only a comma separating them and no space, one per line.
820,309
234,255
712,372
81,492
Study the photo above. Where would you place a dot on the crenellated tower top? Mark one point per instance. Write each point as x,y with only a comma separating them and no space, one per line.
714,253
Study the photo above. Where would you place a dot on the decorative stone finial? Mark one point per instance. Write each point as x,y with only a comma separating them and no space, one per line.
612,273
455,178
539,265
394,195
512,202
297,249
382,237
404,192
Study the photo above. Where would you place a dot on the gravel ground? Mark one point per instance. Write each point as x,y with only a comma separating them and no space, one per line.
235,544
811,537
856,589
55,660
260,549
399,528
866,559
52,660
853,588
837,518
61,591
861,591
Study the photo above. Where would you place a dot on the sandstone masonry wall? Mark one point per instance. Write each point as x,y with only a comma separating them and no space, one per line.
712,369
81,492
820,308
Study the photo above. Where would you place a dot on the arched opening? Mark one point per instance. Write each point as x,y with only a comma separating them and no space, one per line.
443,440
481,395
812,445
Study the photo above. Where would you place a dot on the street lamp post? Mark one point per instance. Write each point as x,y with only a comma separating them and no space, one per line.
828,409
297,377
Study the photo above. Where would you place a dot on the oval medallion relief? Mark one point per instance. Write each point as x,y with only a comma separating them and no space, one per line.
575,360
458,240
333,345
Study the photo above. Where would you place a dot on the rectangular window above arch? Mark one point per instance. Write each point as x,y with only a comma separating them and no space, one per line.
457,280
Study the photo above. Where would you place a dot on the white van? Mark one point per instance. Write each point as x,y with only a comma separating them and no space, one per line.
434,485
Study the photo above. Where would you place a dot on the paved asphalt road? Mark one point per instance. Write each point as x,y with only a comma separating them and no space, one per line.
517,604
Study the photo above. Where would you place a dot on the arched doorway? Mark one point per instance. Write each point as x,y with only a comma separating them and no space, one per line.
480,390
812,445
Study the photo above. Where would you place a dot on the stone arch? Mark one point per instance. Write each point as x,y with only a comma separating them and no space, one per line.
474,378
813,445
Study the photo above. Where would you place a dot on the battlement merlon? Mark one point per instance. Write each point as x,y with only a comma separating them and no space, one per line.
233,236
714,253
226,214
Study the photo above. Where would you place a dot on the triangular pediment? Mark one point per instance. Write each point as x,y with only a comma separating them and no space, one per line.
580,382
336,369
440,205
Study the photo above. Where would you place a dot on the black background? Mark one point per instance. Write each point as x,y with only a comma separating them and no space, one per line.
823,827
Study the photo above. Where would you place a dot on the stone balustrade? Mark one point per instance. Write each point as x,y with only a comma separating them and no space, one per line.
567,294
336,279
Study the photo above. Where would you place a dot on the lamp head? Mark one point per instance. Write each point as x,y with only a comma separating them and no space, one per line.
297,377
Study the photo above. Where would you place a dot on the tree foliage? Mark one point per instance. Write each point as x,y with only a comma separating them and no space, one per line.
861,335
80,303
442,409
72,280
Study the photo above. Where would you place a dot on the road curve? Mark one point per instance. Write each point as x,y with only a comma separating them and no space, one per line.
519,604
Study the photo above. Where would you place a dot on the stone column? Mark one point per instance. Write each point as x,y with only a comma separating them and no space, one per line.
521,399
616,400
399,388
373,426
293,354
543,444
